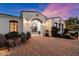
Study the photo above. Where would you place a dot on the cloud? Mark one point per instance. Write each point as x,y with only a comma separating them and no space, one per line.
59,9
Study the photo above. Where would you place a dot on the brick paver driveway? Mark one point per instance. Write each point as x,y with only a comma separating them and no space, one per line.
45,46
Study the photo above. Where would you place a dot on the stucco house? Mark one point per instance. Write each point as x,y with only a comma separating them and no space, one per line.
32,21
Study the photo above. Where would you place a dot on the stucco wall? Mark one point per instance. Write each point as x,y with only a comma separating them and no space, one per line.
28,16
4,23
56,20
61,21
48,25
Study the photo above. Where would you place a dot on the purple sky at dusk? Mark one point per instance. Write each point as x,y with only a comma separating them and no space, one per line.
63,10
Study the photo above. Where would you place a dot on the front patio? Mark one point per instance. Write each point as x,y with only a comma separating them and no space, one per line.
45,46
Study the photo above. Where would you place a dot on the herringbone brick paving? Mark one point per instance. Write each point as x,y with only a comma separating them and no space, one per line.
45,46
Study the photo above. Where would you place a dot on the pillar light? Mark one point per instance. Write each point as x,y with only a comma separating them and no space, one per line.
43,24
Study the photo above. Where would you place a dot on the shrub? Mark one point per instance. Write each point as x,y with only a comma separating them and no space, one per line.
6,36
12,38
12,35
72,34
2,40
23,37
67,36
39,32
76,34
54,31
46,33
28,35
65,31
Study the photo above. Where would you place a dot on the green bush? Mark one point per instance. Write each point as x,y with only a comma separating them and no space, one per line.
54,31
76,34
72,34
46,33
2,40
23,37
39,32
28,35
12,35
65,31
67,36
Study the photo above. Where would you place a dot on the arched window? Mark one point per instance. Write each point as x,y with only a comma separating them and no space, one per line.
59,26
13,26
55,24
62,27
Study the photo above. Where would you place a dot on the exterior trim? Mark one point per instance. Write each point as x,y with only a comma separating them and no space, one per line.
34,12
36,19
9,15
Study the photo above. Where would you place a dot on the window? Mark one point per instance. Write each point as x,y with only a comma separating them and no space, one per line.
13,26
62,27
55,24
59,26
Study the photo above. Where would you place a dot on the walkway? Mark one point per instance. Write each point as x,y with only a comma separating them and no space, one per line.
45,46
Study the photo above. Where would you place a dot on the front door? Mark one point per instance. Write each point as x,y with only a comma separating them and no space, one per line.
34,29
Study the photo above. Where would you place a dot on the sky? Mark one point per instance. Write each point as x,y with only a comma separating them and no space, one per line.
64,10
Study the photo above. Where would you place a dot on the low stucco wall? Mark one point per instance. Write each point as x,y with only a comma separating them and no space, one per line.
4,24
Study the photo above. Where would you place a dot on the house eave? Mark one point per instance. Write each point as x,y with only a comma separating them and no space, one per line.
1,14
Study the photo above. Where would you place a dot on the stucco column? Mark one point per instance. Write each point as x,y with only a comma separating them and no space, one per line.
43,27
27,25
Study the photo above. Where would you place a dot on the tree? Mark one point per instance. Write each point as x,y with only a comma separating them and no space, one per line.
72,23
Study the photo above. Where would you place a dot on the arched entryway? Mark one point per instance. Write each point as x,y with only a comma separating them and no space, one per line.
36,26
